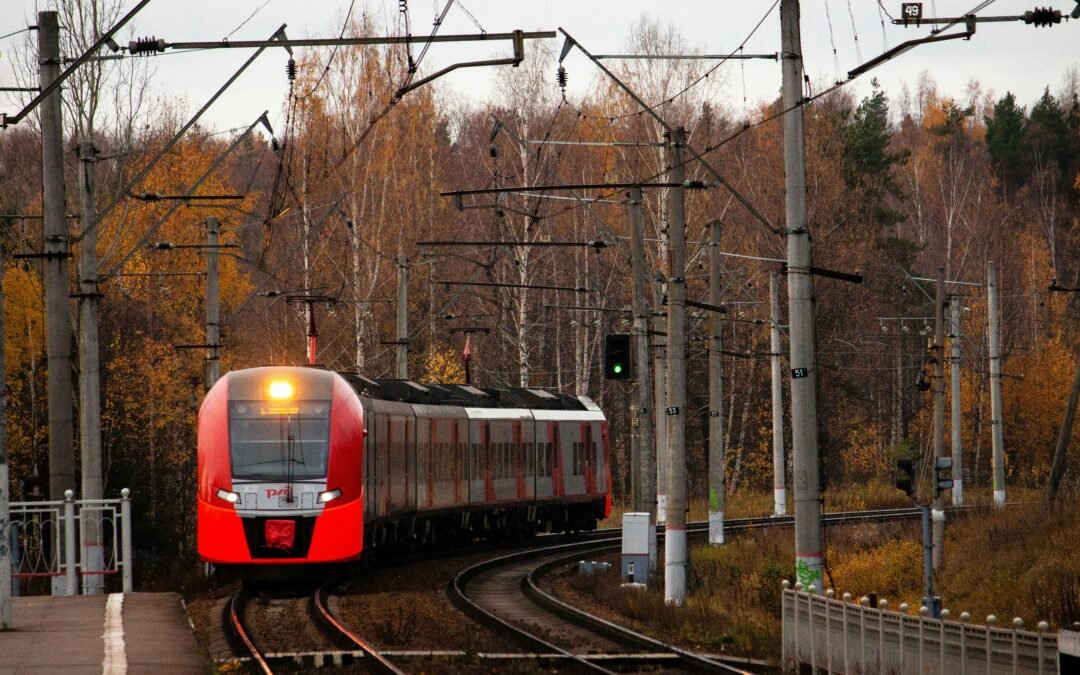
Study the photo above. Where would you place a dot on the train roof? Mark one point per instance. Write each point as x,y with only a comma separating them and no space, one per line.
464,395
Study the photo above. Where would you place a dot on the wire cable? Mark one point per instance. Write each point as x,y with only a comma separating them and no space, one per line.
244,22
701,78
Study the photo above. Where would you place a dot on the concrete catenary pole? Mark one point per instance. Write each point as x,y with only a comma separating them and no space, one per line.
55,245
804,422
660,419
716,394
997,438
644,458
675,523
213,304
5,496
401,346
776,359
93,583
955,403
937,351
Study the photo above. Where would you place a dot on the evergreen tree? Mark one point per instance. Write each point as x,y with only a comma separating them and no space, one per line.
1005,139
1050,139
867,163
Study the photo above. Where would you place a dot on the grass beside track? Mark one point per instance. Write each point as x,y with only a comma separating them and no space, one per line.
1018,561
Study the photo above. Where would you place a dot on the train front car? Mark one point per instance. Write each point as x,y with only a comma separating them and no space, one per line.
280,483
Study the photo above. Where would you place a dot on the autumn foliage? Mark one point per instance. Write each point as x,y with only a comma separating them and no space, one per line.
900,184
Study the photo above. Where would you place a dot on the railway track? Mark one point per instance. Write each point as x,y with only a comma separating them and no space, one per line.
505,594
352,648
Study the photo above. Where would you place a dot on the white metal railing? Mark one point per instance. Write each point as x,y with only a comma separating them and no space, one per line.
842,636
45,542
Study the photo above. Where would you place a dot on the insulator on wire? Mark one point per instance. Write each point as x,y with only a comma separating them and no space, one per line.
560,77
493,151
290,69
146,46
1042,16
403,5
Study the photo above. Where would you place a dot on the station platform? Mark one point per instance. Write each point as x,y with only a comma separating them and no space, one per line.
111,634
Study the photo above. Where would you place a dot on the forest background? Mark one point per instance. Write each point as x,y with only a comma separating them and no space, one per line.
900,184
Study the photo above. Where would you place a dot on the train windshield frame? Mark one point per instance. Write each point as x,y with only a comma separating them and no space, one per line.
279,441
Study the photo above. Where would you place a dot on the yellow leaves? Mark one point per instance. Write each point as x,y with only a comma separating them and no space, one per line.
443,365
24,320
891,570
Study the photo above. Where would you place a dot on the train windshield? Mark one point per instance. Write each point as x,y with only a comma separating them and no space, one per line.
279,441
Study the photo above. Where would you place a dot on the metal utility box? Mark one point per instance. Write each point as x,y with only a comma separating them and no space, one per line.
637,533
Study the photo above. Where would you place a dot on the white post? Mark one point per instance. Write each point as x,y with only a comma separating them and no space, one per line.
954,402
803,359
5,496
675,523
213,326
70,576
401,346
125,537
5,523
995,384
716,394
776,359
93,560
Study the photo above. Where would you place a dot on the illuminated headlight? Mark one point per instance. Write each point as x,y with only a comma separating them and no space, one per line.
329,495
280,390
230,497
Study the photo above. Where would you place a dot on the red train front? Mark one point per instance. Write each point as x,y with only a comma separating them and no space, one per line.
280,469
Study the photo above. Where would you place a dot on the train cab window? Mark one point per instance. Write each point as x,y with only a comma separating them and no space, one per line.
275,441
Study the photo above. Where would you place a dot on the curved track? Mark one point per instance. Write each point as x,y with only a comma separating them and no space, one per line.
340,633
234,613
504,593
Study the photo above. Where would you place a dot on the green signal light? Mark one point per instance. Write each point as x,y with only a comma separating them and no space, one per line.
617,368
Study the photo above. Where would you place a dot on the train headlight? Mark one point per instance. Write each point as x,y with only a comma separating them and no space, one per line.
281,390
230,497
329,495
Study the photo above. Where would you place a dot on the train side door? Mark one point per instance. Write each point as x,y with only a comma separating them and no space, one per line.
557,485
371,464
488,450
477,449
589,459
572,455
427,461
459,443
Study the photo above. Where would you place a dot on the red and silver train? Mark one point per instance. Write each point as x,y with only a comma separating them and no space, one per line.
303,465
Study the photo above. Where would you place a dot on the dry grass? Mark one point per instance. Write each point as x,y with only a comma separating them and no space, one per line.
733,597
1018,561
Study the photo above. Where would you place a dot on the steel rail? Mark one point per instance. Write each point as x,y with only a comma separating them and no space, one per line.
613,631
236,626
460,599
607,541
339,630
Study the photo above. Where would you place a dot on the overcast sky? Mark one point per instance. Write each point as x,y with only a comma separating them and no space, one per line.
1002,56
